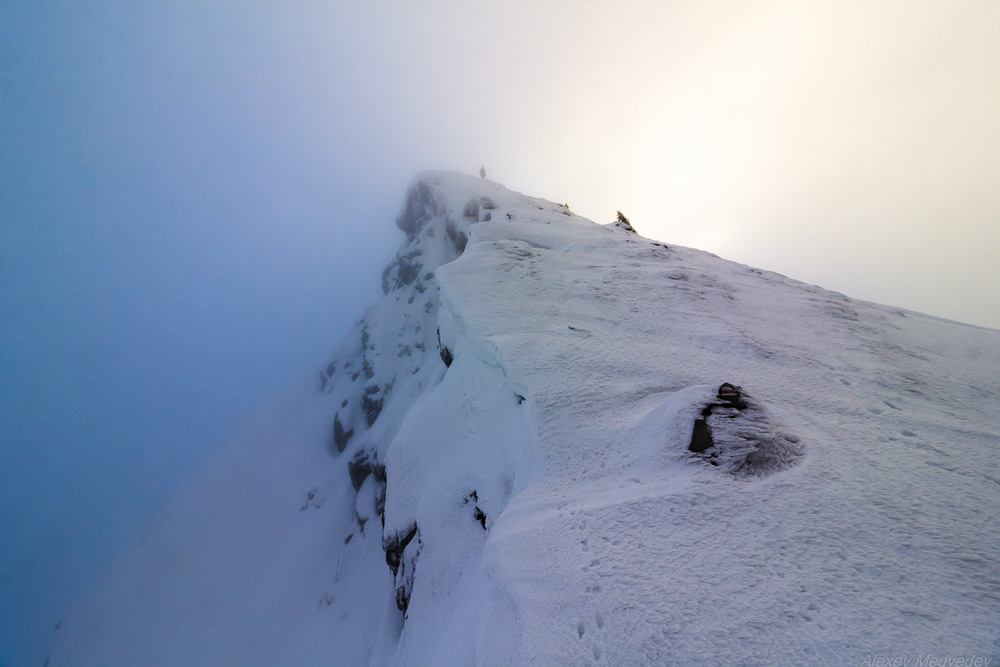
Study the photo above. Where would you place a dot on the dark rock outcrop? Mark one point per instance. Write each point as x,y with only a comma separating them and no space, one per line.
736,434
477,513
340,435
422,204
458,237
701,437
402,271
401,552
371,403
446,355
359,467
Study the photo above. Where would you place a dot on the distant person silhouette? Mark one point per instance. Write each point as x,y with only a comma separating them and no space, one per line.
482,172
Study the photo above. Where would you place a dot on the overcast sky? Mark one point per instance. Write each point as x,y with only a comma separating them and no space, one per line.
197,198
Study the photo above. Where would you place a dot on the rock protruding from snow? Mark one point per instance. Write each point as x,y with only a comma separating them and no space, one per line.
341,436
401,552
394,346
735,433
396,361
621,222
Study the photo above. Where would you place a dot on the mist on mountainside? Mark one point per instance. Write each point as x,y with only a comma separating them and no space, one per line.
552,441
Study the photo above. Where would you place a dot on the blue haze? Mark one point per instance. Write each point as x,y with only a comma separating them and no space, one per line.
188,223
196,198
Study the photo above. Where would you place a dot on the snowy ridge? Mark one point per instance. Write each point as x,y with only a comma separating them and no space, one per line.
557,442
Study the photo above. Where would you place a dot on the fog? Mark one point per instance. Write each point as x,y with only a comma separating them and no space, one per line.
197,199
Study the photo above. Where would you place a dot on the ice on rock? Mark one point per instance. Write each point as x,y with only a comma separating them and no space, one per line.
735,433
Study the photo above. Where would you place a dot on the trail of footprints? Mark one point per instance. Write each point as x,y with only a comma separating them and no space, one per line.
591,627
581,631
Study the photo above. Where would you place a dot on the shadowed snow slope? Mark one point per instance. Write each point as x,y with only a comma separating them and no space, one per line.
521,455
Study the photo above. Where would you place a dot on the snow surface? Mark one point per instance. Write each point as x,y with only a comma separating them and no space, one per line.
536,495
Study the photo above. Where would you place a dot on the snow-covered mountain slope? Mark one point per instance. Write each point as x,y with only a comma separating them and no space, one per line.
557,442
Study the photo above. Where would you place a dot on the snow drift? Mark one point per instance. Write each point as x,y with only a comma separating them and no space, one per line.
557,442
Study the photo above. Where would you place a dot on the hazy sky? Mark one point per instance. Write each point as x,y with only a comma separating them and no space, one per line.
197,198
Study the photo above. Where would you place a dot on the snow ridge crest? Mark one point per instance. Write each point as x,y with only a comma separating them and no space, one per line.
438,427
557,442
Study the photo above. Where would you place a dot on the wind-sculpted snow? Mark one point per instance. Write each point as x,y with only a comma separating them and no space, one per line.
555,442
